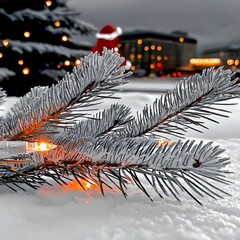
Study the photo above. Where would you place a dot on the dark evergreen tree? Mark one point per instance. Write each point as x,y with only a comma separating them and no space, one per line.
37,45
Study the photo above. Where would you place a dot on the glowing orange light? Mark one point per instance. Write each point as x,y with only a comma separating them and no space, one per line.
25,71
48,3
26,34
132,56
159,58
42,146
20,62
119,45
230,62
77,62
153,47
139,41
1,55
81,185
152,56
236,62
64,38
57,24
67,63
146,48
181,39
139,56
159,48
133,68
206,62
5,42
164,142
152,66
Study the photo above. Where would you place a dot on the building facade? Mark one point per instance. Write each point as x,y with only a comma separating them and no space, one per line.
157,53
229,56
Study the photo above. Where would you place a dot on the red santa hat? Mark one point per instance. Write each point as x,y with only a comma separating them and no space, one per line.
109,32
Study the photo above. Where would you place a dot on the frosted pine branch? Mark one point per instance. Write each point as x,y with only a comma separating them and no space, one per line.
95,74
186,105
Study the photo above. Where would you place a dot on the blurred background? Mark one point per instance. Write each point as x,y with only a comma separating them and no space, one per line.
163,40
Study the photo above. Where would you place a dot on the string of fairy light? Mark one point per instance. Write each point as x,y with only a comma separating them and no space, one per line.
27,34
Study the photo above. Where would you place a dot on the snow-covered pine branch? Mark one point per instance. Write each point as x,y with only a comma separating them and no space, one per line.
112,147
193,100
45,106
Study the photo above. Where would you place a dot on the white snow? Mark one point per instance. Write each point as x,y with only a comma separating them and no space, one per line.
55,213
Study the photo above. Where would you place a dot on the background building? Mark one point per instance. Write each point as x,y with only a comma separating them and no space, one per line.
230,55
157,53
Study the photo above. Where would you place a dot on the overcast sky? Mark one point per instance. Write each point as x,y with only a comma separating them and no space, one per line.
211,22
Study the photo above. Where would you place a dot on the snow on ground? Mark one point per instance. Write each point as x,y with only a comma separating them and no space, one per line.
55,213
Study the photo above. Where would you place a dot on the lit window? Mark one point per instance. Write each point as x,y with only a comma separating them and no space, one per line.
159,58
139,41
5,42
139,56
26,34
25,71
146,48
57,24
20,62
64,38
181,39
1,55
77,62
132,56
153,47
159,48
48,3
67,63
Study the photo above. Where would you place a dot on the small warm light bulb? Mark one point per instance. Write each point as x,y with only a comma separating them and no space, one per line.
48,3
26,34
133,68
146,48
77,62
57,24
159,48
159,58
152,66
42,146
20,62
5,42
181,39
64,38
139,56
59,66
139,41
67,63
132,56
116,49
25,71
119,45
153,47
152,56
236,62
1,55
